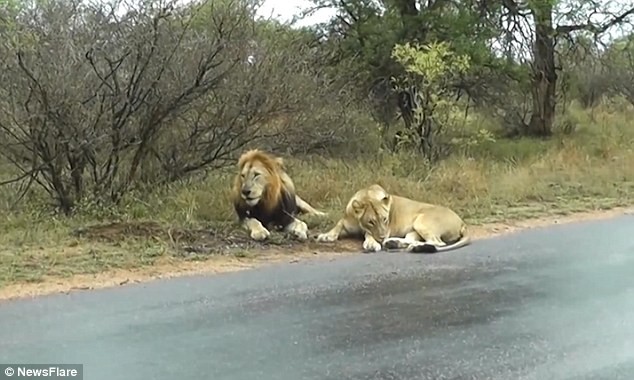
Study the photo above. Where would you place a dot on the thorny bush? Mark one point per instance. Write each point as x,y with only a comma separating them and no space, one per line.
98,101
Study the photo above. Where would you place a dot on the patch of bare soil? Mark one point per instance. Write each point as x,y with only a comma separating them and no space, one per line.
186,242
219,245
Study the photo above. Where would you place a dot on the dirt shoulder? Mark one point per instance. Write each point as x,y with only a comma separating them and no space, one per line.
172,267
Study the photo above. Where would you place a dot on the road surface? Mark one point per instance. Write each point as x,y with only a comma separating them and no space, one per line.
544,304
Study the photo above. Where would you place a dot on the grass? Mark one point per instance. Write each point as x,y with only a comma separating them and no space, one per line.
494,182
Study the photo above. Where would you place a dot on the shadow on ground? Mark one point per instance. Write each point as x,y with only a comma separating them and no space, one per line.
226,239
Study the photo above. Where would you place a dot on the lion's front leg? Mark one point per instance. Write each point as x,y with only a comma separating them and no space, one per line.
298,228
256,229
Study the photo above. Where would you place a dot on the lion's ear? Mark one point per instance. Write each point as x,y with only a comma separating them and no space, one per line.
280,162
386,199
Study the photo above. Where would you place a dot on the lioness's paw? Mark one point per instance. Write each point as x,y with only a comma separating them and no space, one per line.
260,234
392,243
326,238
371,245
422,248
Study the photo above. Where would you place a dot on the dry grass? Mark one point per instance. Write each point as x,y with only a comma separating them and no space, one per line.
494,182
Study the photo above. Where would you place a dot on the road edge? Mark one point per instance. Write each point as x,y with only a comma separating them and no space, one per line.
227,264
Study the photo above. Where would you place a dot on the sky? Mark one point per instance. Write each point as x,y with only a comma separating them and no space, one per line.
284,10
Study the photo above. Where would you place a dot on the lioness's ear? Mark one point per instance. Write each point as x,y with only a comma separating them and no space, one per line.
386,199
356,206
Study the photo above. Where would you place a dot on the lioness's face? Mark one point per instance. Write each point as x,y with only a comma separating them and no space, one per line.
373,215
254,178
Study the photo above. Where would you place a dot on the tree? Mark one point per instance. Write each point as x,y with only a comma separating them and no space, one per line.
430,70
365,33
545,35
619,59
368,31
585,75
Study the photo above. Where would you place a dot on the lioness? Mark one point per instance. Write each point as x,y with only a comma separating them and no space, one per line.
398,223
264,196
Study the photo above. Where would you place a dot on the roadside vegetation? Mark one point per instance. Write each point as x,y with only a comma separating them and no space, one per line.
120,122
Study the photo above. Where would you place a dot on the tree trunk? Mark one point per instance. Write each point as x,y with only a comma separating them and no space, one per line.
544,76
406,7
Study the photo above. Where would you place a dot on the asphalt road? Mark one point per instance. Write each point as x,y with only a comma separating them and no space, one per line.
553,303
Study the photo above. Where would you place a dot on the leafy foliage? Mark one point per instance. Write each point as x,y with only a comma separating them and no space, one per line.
103,99
430,71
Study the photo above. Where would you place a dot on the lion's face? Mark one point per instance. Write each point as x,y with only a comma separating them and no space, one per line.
254,180
373,212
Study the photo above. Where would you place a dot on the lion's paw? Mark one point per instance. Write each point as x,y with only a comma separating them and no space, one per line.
260,234
300,235
299,229
371,245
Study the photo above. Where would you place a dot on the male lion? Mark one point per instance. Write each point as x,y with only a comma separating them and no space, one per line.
264,196
398,223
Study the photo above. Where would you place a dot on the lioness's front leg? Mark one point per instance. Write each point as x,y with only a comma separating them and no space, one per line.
370,244
344,228
298,228
256,229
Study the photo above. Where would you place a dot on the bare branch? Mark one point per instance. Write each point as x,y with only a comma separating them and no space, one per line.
592,27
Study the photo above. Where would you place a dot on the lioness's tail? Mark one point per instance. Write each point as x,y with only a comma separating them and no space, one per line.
462,242
306,208
430,248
